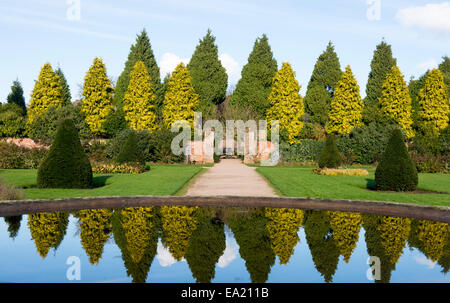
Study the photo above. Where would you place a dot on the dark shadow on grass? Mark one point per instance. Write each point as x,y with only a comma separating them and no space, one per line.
371,184
100,181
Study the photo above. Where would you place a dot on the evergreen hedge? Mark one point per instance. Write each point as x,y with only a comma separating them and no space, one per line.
330,156
65,165
396,171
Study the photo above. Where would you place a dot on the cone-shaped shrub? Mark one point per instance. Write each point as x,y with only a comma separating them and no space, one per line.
130,152
396,171
65,165
330,156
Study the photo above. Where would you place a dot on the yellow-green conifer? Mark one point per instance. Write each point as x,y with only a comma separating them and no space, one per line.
346,106
180,99
139,100
286,103
47,92
97,93
433,104
395,101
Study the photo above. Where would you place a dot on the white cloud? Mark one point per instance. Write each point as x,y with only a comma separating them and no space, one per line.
231,66
168,63
228,255
164,256
424,261
426,65
434,17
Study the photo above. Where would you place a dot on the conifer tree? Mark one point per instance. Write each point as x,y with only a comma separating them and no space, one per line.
47,92
139,100
66,96
97,92
180,99
381,65
414,87
16,96
254,87
395,101
65,165
286,103
140,51
327,72
433,114
209,77
396,171
444,67
346,107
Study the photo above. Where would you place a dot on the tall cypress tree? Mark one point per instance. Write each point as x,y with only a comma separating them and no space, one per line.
395,101
327,72
381,65
16,95
286,103
209,77
434,111
47,92
140,51
97,93
253,88
346,108
66,96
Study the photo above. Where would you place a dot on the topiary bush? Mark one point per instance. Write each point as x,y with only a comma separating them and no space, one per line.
65,165
130,152
330,156
396,171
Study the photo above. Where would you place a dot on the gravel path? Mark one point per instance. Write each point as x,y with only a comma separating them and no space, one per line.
231,177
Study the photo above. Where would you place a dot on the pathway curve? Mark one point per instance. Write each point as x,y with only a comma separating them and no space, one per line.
231,177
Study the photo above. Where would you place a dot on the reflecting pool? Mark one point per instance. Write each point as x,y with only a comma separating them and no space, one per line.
207,244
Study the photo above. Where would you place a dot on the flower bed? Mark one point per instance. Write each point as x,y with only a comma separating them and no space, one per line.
340,172
118,169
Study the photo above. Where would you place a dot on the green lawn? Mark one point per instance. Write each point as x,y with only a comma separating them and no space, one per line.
301,182
161,180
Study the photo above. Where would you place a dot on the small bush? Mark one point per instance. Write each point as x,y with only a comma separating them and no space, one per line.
396,171
130,152
66,165
341,172
97,151
330,157
10,192
16,157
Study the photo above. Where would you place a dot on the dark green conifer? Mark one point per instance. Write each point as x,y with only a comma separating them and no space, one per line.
381,65
130,152
140,51
330,156
16,96
65,165
253,88
209,77
396,171
66,96
327,72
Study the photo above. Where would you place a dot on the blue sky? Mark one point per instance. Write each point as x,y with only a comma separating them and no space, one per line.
39,31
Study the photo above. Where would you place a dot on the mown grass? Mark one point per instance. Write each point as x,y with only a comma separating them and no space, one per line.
161,180
301,182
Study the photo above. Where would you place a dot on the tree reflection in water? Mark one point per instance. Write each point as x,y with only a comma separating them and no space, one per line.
197,234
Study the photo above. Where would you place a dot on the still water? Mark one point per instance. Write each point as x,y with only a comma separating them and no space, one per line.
205,244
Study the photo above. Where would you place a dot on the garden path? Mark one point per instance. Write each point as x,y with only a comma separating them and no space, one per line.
231,177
